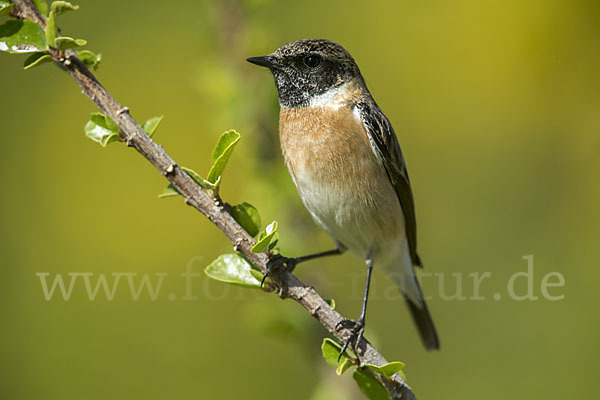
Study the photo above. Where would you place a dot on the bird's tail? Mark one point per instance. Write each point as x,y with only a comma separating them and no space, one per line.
403,274
424,323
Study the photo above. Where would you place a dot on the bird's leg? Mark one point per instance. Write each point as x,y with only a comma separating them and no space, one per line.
359,326
298,260
277,261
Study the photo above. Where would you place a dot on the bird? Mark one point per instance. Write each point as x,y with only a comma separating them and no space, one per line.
346,163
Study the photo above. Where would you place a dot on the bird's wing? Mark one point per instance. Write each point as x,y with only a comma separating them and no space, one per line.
385,146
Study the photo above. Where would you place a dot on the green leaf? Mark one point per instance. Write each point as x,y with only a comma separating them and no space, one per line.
197,178
247,216
61,7
6,7
331,352
257,274
221,155
64,42
274,242
369,385
232,268
36,59
388,369
89,58
150,126
42,6
22,36
265,238
51,31
102,129
344,365
169,191
331,303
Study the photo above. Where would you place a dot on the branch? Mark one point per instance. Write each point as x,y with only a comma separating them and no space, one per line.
211,206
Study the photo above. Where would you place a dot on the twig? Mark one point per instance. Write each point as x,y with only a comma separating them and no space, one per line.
211,206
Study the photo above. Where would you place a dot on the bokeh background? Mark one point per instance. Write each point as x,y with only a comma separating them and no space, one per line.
497,107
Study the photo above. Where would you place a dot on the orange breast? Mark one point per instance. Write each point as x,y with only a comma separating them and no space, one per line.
340,180
330,145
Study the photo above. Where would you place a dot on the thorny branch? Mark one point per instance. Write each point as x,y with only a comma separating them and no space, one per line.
211,205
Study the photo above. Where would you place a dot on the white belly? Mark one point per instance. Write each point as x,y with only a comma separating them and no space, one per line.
355,217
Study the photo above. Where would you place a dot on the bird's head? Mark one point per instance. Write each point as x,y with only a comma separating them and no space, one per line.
307,68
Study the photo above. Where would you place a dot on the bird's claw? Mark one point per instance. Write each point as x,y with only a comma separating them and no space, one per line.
279,261
356,333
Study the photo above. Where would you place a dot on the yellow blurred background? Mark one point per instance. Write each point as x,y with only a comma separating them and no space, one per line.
497,107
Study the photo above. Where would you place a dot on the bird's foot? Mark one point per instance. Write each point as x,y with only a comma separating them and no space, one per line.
357,329
279,261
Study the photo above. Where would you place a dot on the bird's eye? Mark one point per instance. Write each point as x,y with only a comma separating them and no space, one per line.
312,61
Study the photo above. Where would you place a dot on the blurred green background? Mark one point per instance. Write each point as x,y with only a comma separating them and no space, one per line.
497,107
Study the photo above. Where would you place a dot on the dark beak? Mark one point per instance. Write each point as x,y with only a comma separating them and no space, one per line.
265,61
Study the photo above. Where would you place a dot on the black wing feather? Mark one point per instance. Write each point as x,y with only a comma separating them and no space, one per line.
385,144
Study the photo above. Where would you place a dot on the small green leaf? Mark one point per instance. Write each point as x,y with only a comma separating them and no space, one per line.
42,6
102,129
150,126
6,7
331,303
197,178
61,7
232,268
274,242
331,352
247,216
344,365
257,274
169,191
221,155
89,58
22,36
36,59
64,42
51,31
388,369
369,385
112,125
265,238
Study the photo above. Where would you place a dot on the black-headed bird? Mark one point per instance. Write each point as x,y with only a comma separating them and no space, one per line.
346,163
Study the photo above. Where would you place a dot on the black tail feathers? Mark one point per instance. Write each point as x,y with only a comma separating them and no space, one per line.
424,323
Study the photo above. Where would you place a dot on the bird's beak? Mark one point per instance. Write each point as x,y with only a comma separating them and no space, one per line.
264,61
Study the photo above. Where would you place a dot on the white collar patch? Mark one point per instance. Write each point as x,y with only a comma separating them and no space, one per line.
333,98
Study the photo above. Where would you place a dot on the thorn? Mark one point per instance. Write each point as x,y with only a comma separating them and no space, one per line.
187,200
129,141
123,110
67,62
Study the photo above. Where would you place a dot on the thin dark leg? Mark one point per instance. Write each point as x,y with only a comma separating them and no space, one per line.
366,296
333,252
359,326
290,263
